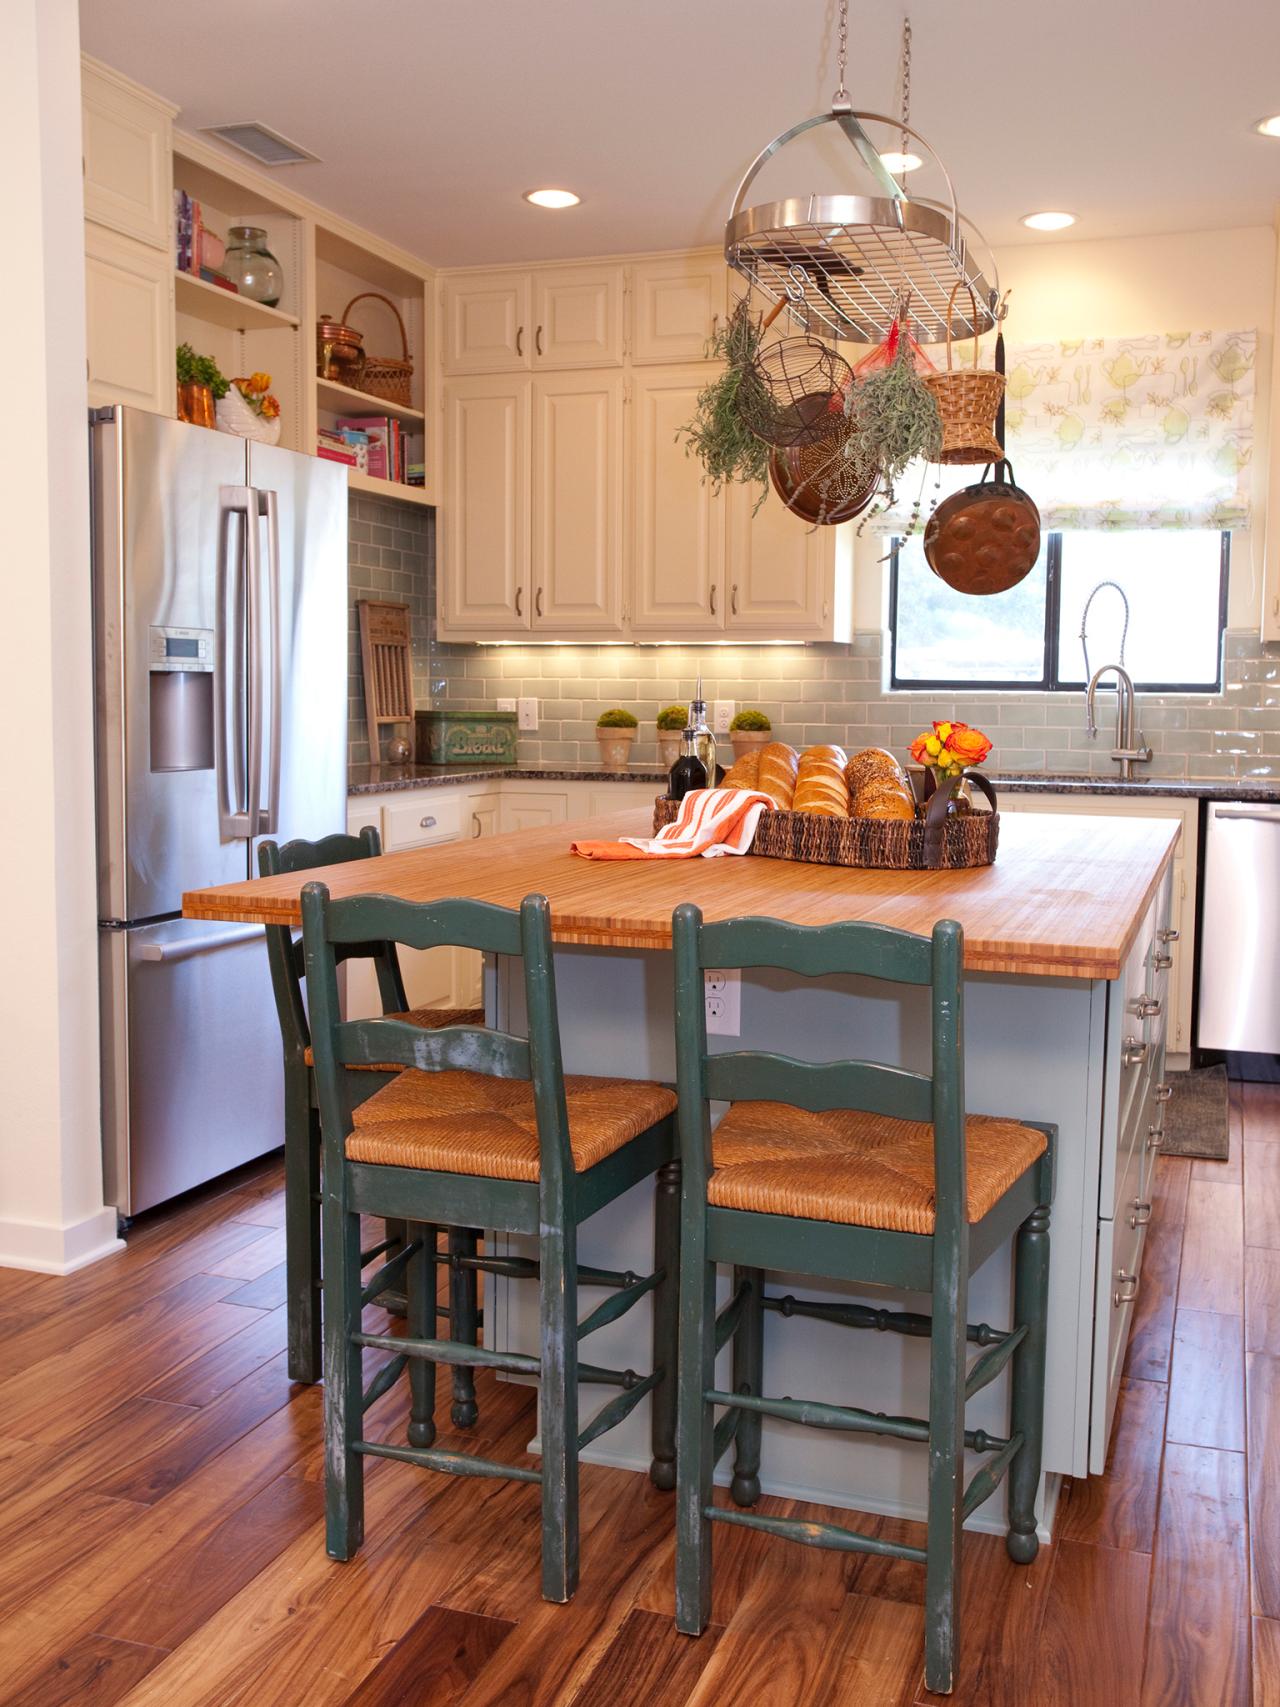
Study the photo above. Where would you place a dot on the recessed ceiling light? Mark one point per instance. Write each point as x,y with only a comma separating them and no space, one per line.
1269,127
900,162
1048,221
552,198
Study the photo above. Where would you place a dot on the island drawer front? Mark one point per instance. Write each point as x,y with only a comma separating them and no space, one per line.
1120,1246
421,822
1144,1112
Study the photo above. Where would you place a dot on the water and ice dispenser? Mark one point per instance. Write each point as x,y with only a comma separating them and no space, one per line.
182,709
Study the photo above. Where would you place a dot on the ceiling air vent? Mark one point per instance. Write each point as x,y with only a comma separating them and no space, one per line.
260,143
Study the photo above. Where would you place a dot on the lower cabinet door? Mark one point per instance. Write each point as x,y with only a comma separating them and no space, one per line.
533,811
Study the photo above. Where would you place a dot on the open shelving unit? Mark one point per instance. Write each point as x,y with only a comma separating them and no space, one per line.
331,397
209,302
376,488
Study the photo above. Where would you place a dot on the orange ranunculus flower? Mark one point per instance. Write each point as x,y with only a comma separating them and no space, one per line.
969,746
259,382
918,750
270,406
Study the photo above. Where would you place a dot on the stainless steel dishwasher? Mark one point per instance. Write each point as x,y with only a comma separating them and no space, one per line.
1240,929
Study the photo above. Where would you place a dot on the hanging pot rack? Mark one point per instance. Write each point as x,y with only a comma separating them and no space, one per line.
846,262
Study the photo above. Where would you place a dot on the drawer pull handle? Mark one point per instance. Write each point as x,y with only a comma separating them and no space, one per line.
1162,962
1163,1092
1155,1137
1133,1053
1146,1007
475,826
1126,1289
1168,934
1141,1214
427,823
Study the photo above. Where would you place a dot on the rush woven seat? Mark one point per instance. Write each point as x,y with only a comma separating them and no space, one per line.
458,1122
430,1019
856,1168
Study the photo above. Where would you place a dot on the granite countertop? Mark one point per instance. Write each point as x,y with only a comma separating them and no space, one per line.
1184,788
384,779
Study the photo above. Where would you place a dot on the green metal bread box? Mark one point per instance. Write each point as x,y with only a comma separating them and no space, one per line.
466,737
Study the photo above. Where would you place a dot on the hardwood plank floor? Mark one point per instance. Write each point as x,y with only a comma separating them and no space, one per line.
161,1495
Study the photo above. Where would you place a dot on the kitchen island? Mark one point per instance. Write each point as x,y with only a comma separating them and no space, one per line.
1065,991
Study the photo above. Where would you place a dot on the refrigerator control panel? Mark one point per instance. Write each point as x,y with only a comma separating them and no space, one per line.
181,648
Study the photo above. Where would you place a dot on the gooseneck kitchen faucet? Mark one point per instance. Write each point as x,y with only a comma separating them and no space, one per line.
1129,745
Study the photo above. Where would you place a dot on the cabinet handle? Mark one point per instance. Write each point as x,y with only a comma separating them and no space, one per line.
537,602
475,826
427,823
519,600
713,598
1145,1007
1162,962
1141,1214
1168,934
1155,1137
519,340
537,340
1163,1092
715,327
733,600
1132,1053
1126,1289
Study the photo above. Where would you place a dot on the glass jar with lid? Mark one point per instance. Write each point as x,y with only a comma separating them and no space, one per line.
251,266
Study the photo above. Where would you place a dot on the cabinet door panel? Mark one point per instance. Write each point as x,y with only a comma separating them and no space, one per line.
486,323
128,322
533,810
577,502
779,568
486,514
676,307
125,142
577,313
678,552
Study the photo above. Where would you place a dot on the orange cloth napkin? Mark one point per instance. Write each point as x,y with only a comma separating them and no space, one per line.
711,821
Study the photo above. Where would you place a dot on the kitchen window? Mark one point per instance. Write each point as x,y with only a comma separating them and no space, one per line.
1029,637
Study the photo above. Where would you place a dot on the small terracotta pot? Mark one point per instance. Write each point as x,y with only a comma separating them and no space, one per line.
195,404
669,742
615,748
749,740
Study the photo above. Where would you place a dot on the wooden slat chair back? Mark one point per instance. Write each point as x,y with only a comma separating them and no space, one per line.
849,1238
549,1207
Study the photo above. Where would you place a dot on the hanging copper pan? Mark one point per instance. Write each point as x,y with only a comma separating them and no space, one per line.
817,485
985,538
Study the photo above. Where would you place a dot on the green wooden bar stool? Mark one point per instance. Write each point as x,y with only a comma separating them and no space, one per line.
302,1118
487,1132
851,1170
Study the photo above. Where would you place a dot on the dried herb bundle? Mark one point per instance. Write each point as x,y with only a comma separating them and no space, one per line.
893,416
718,434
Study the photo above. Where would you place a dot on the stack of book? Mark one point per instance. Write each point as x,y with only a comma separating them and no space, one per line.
344,445
385,439
200,252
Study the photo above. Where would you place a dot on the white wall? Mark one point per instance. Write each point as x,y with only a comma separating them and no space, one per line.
1118,287
52,1216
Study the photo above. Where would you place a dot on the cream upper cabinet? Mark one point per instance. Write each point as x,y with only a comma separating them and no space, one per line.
128,322
577,502
485,516
577,317
780,571
678,546
487,323
126,137
677,303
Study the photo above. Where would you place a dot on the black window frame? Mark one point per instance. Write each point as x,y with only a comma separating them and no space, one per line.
1047,682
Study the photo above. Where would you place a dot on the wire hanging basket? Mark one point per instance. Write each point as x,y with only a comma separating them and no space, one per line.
798,394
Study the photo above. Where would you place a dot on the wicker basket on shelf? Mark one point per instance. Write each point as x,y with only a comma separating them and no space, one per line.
940,841
385,376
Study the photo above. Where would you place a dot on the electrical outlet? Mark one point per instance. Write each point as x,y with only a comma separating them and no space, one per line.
506,705
527,714
721,716
723,992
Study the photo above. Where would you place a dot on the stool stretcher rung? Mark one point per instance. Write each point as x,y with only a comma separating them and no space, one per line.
526,1268
611,1414
725,1431
814,1414
829,1535
389,1272
987,1480
728,1319
386,1377
366,1257
609,1309
453,1351
992,1362
883,1321
453,1463
593,1375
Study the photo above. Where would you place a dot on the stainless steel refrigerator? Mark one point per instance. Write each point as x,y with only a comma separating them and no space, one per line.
219,585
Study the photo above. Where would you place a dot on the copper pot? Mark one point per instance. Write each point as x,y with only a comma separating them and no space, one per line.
985,538
339,352
195,404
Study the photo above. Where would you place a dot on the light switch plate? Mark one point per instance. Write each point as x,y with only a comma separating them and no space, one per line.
506,705
721,716
723,991
526,714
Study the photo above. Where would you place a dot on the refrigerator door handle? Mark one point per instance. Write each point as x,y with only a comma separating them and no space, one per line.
185,947
268,815
234,821
253,582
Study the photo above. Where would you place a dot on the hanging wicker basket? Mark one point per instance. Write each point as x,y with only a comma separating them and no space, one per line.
386,376
967,399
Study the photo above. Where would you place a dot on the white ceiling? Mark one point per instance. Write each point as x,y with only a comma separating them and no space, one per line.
431,116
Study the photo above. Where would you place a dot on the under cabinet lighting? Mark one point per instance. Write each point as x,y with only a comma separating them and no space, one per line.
1269,127
1050,221
899,163
552,198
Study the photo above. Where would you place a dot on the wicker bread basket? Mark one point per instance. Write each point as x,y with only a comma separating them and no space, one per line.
967,399
385,376
935,842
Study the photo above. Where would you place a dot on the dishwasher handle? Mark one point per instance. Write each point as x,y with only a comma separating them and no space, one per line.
1254,814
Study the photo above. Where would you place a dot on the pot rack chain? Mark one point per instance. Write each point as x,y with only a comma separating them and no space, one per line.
841,97
906,80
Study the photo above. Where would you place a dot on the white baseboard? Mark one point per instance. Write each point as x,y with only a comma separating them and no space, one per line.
42,1248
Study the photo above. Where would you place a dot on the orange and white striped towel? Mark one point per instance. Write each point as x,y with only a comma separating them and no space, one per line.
711,821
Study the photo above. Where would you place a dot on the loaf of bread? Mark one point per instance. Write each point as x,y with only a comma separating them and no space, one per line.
743,772
776,775
883,799
820,783
874,764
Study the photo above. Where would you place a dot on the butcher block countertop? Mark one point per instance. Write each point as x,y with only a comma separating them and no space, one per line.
1064,899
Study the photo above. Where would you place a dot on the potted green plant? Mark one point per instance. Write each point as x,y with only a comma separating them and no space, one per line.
615,731
748,730
672,720
200,385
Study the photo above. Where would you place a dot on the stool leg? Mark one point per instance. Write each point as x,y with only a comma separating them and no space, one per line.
748,1374
420,1288
946,1466
558,1289
666,1324
302,1225
462,1324
1026,1412
694,1432
343,1411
